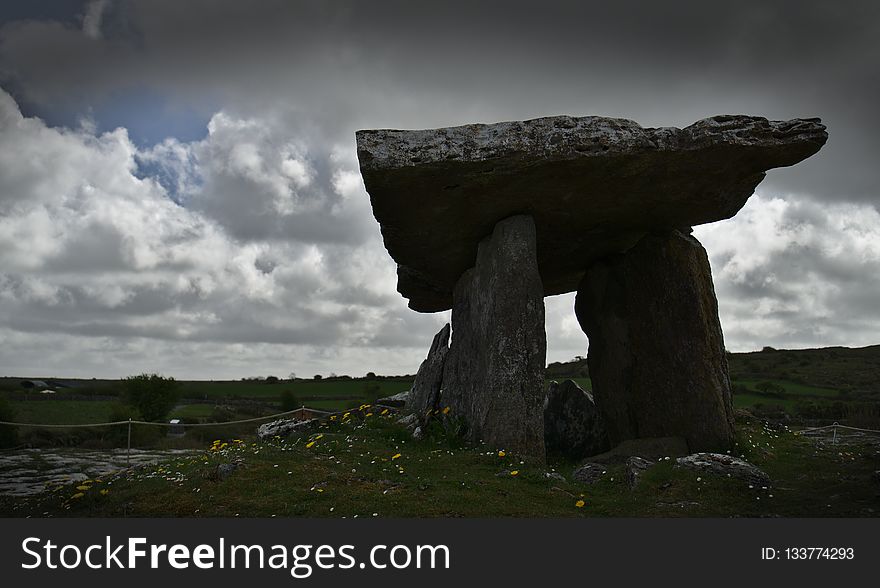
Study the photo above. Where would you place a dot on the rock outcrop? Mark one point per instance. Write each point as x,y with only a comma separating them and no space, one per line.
572,424
634,468
593,185
425,393
725,465
656,356
283,428
398,400
589,473
493,379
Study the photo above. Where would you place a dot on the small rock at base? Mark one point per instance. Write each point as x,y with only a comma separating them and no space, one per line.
724,465
589,472
635,467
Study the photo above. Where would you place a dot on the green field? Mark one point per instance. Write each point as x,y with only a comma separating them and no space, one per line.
791,388
300,388
62,412
370,466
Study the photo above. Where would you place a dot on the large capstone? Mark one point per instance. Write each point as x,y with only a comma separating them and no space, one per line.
572,424
493,380
425,393
656,355
594,187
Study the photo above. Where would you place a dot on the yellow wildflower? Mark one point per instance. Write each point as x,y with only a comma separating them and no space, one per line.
395,456
579,503
501,454
309,444
514,472
446,410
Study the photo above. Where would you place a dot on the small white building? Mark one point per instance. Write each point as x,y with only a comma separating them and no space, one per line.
176,429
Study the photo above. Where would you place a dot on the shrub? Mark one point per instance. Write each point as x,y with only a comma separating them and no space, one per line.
289,401
152,395
371,392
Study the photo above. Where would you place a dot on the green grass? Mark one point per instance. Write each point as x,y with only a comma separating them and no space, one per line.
192,411
300,388
348,469
584,383
65,412
752,400
793,388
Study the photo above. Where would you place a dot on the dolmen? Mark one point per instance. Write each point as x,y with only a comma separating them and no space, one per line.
488,219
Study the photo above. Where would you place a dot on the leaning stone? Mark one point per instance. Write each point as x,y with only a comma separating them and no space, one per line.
283,428
635,467
396,401
656,448
594,185
589,473
425,394
656,357
724,465
494,375
572,425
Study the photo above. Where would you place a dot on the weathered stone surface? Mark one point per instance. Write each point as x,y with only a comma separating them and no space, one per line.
635,467
656,356
283,428
725,465
655,448
425,393
593,185
572,425
589,473
398,400
410,422
493,379
224,470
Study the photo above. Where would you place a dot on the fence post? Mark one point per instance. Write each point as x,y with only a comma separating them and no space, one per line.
834,438
128,453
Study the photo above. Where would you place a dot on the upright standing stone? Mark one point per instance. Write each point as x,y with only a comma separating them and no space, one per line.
494,375
425,391
656,356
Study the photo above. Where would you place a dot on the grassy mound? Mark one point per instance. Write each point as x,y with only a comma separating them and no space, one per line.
366,465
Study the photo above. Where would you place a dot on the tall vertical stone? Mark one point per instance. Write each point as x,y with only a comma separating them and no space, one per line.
656,356
493,380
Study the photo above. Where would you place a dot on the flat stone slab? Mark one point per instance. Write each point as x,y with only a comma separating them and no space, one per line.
593,185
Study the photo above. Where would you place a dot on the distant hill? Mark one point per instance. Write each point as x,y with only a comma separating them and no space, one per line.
853,371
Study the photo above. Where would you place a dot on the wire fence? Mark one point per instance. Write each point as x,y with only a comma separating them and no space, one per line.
303,412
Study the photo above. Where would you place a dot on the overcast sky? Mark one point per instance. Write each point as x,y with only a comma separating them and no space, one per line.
179,190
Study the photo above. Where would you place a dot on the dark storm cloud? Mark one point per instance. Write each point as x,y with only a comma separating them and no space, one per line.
272,255
408,64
